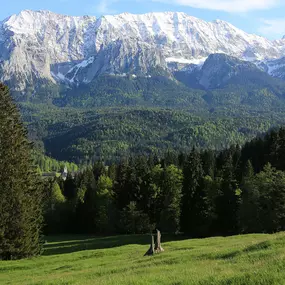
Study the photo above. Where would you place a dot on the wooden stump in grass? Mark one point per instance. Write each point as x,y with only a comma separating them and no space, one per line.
155,248
151,249
158,248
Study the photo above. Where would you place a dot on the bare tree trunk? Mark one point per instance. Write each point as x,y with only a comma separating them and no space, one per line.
151,249
158,247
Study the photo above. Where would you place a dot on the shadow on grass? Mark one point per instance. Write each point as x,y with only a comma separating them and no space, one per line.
259,246
250,249
67,244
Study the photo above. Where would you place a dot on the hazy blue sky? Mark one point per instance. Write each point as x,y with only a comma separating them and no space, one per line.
263,17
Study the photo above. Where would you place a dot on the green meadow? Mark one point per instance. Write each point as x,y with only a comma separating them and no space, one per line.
247,259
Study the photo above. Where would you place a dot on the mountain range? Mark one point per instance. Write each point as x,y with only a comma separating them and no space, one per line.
41,46
105,88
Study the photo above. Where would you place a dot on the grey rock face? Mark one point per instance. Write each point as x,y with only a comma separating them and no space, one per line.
220,68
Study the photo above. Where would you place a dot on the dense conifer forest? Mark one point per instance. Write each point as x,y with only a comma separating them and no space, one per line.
200,193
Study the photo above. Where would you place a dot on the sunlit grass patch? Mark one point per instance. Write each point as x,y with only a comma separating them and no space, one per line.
248,259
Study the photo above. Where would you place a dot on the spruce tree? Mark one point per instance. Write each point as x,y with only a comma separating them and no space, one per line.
20,190
194,206
227,202
123,187
249,221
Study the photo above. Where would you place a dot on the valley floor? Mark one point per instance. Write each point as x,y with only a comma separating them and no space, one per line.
248,259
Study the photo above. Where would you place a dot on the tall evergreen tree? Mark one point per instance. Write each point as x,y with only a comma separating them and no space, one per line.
123,187
277,154
20,191
209,161
193,202
227,202
87,214
249,220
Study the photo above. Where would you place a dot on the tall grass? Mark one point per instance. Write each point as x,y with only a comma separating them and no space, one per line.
248,259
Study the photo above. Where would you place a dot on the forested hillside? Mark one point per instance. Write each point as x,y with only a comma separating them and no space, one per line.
115,116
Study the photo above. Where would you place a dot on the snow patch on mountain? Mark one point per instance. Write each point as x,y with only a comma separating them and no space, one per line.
197,61
275,68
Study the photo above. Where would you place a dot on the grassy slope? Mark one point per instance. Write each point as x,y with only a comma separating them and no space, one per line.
249,259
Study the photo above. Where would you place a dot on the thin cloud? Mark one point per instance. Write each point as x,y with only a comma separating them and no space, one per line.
104,7
226,5
273,27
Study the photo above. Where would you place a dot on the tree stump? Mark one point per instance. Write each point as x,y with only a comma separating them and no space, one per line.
151,249
155,248
158,248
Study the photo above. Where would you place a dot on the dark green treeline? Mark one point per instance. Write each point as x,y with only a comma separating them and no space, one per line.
238,190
